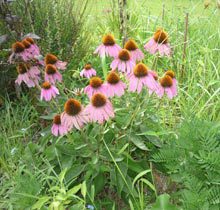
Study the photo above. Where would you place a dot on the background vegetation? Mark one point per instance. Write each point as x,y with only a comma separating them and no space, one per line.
156,154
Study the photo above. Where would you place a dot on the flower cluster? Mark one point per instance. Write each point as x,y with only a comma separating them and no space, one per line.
128,70
33,70
25,50
128,62
30,67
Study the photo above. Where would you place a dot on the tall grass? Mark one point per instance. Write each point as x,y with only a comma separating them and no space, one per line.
199,88
60,24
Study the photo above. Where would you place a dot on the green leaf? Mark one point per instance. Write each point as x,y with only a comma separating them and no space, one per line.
153,136
62,175
92,196
50,152
48,117
153,133
147,133
131,204
56,205
155,141
123,149
135,166
99,183
54,188
148,183
95,160
163,203
139,143
40,202
74,190
67,149
140,175
74,171
83,189
81,146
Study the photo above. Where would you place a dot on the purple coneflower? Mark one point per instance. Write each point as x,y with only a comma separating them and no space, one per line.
114,86
28,75
159,43
136,54
34,72
52,74
173,76
57,127
28,49
123,62
52,59
108,47
48,91
140,77
73,115
95,86
88,71
100,109
18,52
168,85
34,48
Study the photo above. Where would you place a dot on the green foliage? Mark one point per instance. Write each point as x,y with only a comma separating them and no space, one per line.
192,160
109,166
107,160
162,203
25,191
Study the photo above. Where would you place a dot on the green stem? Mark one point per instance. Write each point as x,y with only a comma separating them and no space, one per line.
119,170
152,177
154,65
56,105
85,139
138,107
104,69
101,136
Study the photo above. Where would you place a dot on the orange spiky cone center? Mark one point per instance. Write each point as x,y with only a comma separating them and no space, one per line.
160,36
95,82
140,70
130,45
124,55
50,59
72,107
46,85
166,81
113,78
98,100
108,40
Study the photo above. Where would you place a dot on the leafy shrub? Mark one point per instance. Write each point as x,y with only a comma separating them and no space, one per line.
192,159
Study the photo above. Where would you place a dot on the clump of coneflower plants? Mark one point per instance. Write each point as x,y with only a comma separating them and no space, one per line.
128,73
